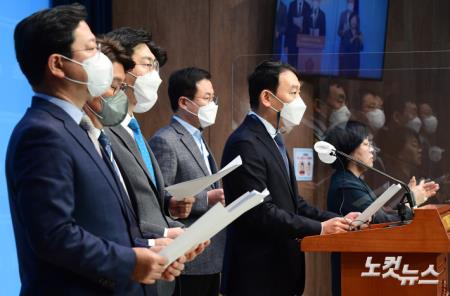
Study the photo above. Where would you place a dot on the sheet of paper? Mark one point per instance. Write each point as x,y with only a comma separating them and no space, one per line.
193,187
213,221
245,203
377,204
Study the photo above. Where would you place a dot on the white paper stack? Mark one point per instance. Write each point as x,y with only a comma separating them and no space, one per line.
193,187
213,221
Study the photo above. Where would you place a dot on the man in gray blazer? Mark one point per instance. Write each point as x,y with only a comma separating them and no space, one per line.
184,155
142,176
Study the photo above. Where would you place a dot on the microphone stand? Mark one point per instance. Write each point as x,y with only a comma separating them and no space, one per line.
407,197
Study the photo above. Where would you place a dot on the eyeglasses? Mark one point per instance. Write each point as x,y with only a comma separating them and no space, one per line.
373,146
153,65
214,99
122,86
98,47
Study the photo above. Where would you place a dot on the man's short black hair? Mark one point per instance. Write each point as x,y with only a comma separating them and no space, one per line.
346,138
266,76
396,140
129,38
184,83
116,53
364,93
395,104
44,33
159,52
326,89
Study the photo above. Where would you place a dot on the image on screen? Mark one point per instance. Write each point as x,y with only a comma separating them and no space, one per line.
343,38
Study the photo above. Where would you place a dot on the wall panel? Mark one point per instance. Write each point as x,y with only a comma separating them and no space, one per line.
229,37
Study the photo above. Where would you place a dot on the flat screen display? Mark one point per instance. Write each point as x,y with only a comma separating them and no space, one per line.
332,37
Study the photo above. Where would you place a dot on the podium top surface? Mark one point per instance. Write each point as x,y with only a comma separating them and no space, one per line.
428,232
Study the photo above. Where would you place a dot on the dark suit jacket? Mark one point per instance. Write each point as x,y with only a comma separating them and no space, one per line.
263,254
180,160
348,193
291,29
319,23
72,223
344,24
281,20
280,27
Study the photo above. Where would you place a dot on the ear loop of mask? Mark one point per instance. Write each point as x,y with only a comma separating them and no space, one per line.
136,77
71,79
190,112
129,85
187,110
92,110
278,112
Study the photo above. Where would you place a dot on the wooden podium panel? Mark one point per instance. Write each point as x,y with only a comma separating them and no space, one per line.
423,242
353,284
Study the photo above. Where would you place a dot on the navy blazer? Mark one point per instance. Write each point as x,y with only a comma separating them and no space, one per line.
291,29
263,254
72,223
348,193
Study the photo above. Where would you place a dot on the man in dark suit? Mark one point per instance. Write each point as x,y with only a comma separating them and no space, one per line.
184,155
147,194
75,230
344,18
317,20
297,23
262,254
280,29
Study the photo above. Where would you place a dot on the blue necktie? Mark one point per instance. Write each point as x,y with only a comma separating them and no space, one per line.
139,138
106,145
280,145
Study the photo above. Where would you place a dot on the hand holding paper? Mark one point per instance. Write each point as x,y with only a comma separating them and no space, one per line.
376,205
335,225
215,196
181,208
191,255
193,187
174,269
216,219
149,266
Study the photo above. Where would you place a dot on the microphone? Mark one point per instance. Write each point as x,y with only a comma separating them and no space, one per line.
328,153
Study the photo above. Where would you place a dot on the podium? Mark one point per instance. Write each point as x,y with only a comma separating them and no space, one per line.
423,242
310,53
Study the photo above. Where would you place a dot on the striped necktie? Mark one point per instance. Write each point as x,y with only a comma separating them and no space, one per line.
92,131
106,145
280,145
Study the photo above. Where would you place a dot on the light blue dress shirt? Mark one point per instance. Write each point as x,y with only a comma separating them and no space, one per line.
74,112
196,134
269,127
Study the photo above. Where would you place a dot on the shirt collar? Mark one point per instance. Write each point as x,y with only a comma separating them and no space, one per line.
96,132
73,111
269,127
126,121
195,132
